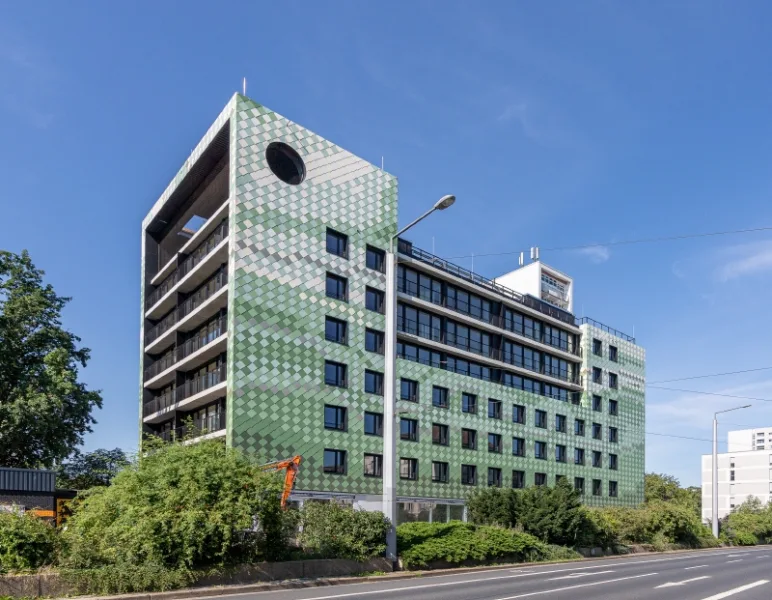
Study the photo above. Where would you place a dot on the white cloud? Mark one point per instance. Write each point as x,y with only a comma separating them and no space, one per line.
743,260
597,254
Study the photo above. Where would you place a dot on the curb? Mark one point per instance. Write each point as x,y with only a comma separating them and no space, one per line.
294,584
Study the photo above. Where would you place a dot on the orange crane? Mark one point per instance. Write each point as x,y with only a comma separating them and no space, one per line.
291,466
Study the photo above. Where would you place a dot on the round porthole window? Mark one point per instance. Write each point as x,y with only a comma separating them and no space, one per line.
285,163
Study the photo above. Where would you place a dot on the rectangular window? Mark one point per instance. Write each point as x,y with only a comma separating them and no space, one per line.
597,487
374,300
560,423
597,404
597,375
468,475
337,243
560,453
613,435
440,472
335,330
579,456
439,396
731,475
597,431
335,461
337,287
373,424
613,489
613,462
579,427
613,408
579,485
613,354
408,468
440,434
373,382
373,465
518,480
408,430
335,417
540,479
494,443
408,390
494,408
469,403
335,374
375,259
597,347
597,459
494,477
613,381
518,414
518,446
469,439
540,450
374,341
541,419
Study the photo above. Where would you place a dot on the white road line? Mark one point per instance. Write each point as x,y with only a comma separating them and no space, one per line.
578,585
729,562
737,590
684,582
578,575
695,567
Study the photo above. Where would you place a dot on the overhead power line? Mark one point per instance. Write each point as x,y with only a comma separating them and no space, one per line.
669,238
713,375
659,387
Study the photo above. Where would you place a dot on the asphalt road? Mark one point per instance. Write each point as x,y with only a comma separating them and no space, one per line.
741,574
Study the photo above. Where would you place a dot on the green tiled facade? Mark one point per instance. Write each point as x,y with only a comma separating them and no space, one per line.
276,347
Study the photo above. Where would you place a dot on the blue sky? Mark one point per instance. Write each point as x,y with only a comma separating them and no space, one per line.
555,124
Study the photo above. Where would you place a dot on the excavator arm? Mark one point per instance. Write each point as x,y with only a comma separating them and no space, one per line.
290,466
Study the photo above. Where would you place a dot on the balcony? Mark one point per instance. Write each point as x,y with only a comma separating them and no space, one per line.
190,273
191,354
190,395
407,249
194,311
208,427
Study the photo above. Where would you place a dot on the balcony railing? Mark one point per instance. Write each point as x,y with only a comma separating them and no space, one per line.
186,390
186,266
408,249
214,285
197,428
204,337
607,329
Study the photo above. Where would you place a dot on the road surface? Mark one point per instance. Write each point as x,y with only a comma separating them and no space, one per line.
739,574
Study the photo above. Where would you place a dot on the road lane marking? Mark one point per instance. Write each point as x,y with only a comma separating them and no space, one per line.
578,585
578,575
695,567
684,582
729,562
737,590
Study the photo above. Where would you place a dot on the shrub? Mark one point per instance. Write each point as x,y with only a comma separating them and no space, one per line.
112,579
334,531
457,543
561,553
599,529
25,542
180,507
745,538
493,506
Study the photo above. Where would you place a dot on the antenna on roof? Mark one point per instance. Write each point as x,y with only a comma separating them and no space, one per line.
534,253
521,259
381,163
244,86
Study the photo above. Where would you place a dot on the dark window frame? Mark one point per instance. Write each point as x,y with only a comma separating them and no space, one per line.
597,487
377,419
613,380
340,325
561,423
442,437
379,263
379,338
340,369
518,479
336,469
613,407
468,474
441,393
339,280
341,418
377,462
518,414
378,305
613,462
579,427
497,446
613,353
597,403
470,434
341,239
412,386
540,450
412,434
497,477
597,347
561,453
579,485
377,379
613,489
498,407
540,419
579,456
412,468
444,472
467,406
539,479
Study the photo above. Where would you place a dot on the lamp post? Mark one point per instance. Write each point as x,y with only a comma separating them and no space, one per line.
390,382
714,511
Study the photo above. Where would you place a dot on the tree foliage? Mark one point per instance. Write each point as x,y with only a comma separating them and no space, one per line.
26,542
334,531
92,469
44,409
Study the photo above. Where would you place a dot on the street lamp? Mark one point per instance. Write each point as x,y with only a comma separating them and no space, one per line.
714,512
389,384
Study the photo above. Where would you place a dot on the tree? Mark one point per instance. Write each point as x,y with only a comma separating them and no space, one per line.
660,487
93,469
44,409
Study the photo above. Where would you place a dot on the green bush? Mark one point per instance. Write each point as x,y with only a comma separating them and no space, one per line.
112,579
330,530
456,543
26,542
745,538
561,553
181,507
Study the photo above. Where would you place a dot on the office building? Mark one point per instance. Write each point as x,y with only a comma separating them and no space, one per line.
745,470
262,323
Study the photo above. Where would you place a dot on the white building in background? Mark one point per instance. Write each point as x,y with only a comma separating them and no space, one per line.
744,470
